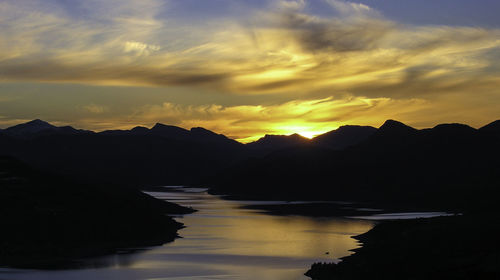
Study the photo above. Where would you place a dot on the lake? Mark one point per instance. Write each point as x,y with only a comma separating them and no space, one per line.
222,241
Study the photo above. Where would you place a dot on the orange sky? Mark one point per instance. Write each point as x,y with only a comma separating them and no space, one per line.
276,69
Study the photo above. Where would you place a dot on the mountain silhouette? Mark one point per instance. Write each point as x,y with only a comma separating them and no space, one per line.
138,130
397,165
37,128
170,131
52,220
160,155
270,143
200,134
449,167
47,217
31,127
394,164
394,131
344,136
492,128
341,138
195,134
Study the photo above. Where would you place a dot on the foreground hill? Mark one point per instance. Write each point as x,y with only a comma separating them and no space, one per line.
137,157
397,165
141,156
36,128
449,167
49,220
394,164
436,248
271,143
344,137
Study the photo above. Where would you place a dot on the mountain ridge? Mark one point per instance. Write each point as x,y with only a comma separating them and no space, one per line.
389,126
172,155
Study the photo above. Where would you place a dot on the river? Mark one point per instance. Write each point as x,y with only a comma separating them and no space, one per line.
222,241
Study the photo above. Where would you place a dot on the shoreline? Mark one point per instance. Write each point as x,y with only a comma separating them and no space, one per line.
50,222
431,248
352,210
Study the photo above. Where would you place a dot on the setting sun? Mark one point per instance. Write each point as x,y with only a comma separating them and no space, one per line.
271,135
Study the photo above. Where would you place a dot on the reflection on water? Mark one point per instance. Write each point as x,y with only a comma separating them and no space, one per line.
403,216
223,241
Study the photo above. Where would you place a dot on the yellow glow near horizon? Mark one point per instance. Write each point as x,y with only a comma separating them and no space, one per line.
309,134
289,71
303,129
248,123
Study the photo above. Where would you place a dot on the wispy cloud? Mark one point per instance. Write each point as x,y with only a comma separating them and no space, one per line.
287,50
348,8
307,117
95,109
139,48
352,64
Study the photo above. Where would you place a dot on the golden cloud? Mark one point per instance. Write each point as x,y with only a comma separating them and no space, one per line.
306,117
354,67
95,109
284,51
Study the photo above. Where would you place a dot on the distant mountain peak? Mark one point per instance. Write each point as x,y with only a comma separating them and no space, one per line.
139,129
344,136
30,127
493,126
159,125
294,136
393,125
272,142
39,127
205,135
455,127
203,130
38,122
170,128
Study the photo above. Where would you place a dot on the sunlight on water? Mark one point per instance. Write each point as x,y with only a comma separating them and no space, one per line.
223,241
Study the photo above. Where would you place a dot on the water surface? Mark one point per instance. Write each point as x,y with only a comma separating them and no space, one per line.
403,216
223,241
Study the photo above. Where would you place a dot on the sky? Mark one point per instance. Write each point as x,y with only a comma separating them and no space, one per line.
250,67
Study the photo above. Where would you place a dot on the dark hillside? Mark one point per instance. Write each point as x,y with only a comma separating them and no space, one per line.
50,221
397,165
137,157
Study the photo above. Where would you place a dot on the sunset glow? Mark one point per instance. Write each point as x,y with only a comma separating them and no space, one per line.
272,67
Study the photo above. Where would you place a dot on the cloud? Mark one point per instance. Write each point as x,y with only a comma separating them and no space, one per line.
376,67
294,5
347,8
307,117
8,122
139,48
95,109
336,34
282,52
